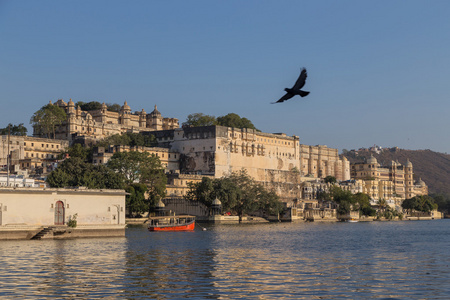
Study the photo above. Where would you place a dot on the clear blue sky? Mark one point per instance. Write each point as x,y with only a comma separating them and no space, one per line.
378,71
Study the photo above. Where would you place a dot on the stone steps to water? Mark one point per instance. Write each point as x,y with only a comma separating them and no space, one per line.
41,234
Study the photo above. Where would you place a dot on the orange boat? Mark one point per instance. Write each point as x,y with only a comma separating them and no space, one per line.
172,223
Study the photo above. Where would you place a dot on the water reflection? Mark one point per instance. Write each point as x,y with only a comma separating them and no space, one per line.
171,265
62,269
397,260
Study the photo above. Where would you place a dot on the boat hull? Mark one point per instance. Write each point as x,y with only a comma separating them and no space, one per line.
185,227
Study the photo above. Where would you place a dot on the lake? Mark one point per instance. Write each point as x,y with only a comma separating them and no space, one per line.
366,260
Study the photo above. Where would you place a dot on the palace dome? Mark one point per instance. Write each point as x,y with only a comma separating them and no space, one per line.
155,112
126,107
372,160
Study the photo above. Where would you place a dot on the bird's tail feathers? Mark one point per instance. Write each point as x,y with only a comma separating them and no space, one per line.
303,93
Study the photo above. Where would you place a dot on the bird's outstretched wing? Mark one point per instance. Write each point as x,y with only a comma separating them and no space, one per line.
287,96
301,80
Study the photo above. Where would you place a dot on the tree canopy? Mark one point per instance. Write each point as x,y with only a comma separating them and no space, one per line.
14,130
77,150
229,120
128,139
235,121
200,119
238,192
443,202
141,167
330,179
136,202
74,172
421,203
47,118
346,201
95,105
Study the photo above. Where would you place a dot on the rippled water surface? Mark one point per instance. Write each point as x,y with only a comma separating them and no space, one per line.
376,260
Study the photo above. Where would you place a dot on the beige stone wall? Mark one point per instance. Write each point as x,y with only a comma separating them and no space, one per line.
36,206
321,161
16,146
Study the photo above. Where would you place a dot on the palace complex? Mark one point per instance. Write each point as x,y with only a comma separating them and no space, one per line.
280,162
98,124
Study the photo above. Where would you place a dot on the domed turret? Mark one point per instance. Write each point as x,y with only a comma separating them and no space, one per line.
155,120
71,108
125,108
421,182
372,160
155,112
216,207
408,164
160,208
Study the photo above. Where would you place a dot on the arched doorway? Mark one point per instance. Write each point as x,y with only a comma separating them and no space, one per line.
59,213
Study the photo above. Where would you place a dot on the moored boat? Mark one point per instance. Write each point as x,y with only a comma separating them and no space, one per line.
352,220
172,223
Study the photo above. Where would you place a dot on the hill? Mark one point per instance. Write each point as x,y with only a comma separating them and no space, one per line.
432,167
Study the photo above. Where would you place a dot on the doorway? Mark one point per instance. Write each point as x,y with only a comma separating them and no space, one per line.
59,213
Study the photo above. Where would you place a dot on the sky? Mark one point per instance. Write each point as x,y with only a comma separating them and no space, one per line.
378,71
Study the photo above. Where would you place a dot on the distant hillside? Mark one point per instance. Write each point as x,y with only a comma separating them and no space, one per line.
432,167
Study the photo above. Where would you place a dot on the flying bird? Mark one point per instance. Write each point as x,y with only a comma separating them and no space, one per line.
296,89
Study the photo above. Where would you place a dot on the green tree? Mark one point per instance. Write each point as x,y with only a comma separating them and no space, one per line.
227,192
202,191
246,201
128,139
130,164
113,107
269,201
14,130
47,118
339,195
382,204
330,179
363,203
200,119
136,202
443,202
141,167
77,150
235,121
75,172
238,192
88,106
422,203
344,208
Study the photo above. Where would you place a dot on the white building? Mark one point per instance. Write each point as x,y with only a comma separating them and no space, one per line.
24,212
